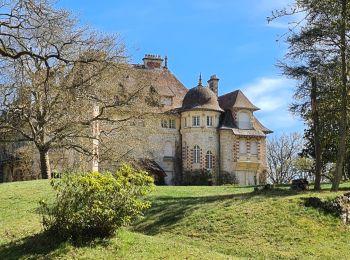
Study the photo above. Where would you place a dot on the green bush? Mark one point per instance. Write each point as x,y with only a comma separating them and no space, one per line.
90,205
227,178
197,178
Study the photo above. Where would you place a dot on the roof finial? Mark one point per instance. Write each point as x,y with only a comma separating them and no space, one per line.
166,62
200,79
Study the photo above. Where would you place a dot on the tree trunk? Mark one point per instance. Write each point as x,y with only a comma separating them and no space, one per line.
95,140
316,133
45,168
343,109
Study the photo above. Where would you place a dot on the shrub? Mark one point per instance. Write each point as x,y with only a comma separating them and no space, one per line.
197,177
227,178
90,205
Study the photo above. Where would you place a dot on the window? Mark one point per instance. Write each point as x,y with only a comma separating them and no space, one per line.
172,124
209,121
242,147
168,149
164,123
244,120
254,148
185,121
196,121
166,101
209,160
168,124
196,154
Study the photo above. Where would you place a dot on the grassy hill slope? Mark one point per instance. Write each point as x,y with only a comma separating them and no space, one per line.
186,222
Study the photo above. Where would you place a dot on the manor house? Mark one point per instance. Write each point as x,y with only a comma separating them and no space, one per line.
204,132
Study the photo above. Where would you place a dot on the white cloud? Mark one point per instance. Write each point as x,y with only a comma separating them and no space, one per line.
269,93
273,95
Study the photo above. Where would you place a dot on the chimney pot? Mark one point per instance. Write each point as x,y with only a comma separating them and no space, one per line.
152,61
214,84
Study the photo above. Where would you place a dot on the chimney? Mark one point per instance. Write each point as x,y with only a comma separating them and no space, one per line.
214,84
152,61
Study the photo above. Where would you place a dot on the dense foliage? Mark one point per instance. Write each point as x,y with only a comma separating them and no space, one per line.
318,57
90,205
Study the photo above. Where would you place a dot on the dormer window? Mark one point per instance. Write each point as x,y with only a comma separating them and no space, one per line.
166,101
244,121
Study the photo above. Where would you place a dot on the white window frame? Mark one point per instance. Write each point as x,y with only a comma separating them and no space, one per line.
196,121
164,123
172,124
209,160
196,154
210,121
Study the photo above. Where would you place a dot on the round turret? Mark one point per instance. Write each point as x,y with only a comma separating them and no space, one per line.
200,98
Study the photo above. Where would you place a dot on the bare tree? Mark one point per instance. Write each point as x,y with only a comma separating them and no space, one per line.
52,76
282,153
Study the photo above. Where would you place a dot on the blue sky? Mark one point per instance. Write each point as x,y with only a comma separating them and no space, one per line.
231,39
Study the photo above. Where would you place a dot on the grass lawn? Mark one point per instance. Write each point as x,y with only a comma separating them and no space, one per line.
186,223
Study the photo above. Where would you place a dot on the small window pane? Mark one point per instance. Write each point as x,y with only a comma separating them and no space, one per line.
209,160
244,121
196,154
254,148
172,124
164,123
209,121
196,121
242,147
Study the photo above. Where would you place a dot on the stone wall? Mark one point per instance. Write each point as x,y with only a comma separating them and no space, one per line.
204,136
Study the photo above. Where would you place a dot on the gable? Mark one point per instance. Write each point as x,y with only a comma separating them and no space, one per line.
236,100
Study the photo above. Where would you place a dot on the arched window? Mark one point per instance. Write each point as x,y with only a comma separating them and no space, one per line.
196,154
242,147
209,160
168,149
244,120
254,148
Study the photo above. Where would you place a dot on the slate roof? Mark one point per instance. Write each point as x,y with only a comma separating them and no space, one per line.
227,122
161,81
236,99
199,98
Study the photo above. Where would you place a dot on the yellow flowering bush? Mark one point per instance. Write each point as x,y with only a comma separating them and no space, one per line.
90,205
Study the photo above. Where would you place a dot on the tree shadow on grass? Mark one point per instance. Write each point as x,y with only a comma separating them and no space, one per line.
167,211
42,245
31,247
